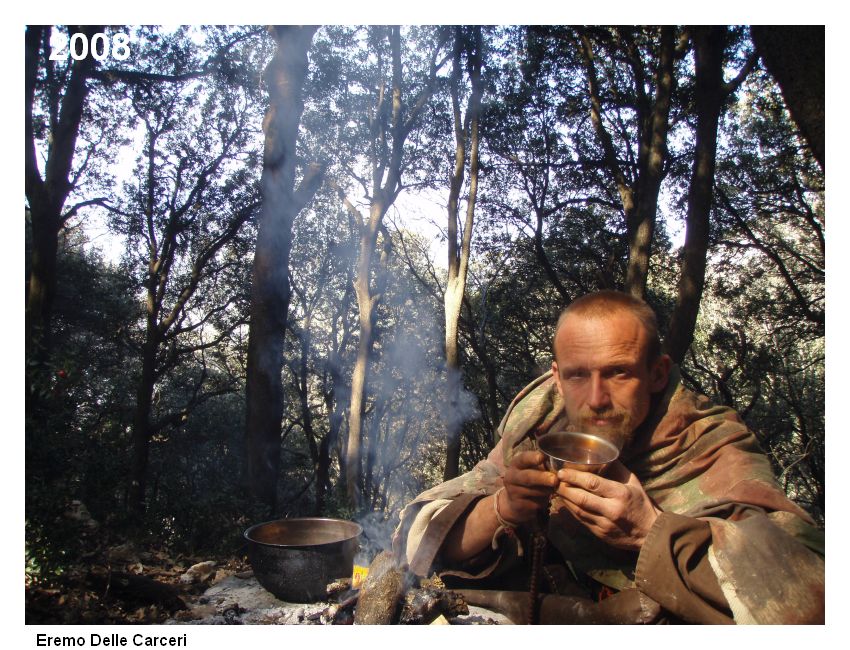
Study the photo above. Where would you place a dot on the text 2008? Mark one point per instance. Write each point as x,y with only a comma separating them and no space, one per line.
100,48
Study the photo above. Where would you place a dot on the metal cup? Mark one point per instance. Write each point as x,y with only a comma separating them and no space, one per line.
584,452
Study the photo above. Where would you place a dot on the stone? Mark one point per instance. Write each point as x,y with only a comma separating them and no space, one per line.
198,573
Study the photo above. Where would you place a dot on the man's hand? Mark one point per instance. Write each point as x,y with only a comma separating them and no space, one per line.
614,507
527,488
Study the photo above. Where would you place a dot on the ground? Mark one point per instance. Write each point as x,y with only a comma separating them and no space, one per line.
126,584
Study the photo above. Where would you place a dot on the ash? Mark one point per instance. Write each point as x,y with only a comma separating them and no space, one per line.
240,600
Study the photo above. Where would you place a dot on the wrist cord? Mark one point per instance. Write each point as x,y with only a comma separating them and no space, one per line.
504,526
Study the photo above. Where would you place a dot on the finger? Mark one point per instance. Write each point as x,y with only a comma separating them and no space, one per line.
528,496
589,519
530,481
585,502
521,499
532,478
590,482
528,459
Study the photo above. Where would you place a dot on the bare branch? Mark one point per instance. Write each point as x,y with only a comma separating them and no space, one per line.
74,209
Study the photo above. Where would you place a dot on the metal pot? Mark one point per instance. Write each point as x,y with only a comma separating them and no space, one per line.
295,559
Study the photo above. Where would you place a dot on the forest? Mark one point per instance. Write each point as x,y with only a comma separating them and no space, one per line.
302,270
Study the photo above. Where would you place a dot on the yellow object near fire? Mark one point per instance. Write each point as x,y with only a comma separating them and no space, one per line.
358,576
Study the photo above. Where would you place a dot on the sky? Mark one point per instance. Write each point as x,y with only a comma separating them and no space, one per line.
441,11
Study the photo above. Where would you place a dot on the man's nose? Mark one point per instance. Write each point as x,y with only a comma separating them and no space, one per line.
599,397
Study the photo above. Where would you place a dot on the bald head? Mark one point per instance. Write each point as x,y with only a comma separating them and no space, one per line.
605,304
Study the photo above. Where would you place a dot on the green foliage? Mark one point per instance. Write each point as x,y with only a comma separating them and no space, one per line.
76,442
760,340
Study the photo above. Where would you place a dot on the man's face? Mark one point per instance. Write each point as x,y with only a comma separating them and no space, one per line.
603,375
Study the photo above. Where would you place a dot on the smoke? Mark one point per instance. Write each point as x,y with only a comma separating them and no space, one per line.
410,405
407,406
463,406
377,533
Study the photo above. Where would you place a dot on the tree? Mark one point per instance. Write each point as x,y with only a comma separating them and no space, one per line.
759,340
270,296
712,92
523,131
638,180
55,98
580,131
389,124
189,207
77,141
76,446
466,129
322,322
795,56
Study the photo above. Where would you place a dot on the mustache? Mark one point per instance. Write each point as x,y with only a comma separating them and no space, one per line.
615,415
618,429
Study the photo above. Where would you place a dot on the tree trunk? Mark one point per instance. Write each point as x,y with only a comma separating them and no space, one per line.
492,414
141,432
458,261
304,393
329,444
795,56
366,303
709,43
323,469
640,196
41,288
653,153
46,197
386,163
543,259
333,402
270,291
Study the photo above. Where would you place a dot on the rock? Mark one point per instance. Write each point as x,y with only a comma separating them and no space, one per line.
196,613
78,512
123,554
481,616
134,590
200,572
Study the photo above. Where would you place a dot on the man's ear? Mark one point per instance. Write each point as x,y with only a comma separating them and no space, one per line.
557,377
659,373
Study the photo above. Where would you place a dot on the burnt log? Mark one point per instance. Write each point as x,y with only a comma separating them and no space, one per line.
423,606
513,604
338,587
381,593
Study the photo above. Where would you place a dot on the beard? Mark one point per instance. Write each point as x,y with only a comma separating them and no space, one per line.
619,428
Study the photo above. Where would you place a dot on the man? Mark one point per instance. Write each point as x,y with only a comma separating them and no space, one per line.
688,525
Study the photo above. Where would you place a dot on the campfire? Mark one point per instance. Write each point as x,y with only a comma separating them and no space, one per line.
387,596
390,595
311,559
